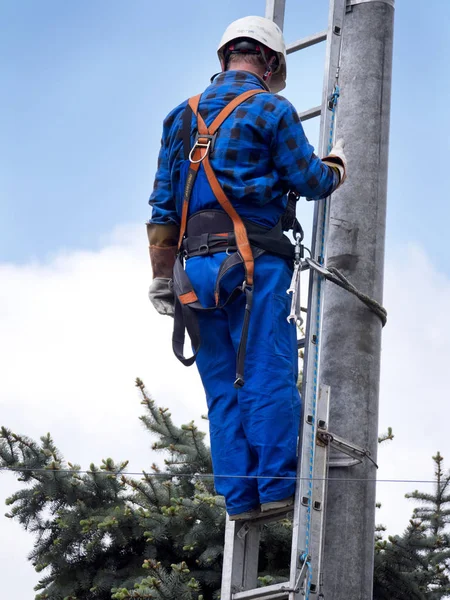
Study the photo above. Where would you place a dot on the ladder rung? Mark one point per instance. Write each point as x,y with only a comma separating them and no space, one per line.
265,518
270,592
306,42
311,113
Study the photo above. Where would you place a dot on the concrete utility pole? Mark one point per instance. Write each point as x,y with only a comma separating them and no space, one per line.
351,337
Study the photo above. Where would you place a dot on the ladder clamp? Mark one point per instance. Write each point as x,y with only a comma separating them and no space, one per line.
326,438
355,453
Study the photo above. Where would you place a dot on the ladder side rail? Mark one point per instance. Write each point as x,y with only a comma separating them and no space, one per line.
301,526
240,557
320,486
275,10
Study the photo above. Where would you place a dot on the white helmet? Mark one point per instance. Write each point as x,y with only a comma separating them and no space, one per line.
266,32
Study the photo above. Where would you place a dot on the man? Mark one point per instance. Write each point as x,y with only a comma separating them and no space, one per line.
223,179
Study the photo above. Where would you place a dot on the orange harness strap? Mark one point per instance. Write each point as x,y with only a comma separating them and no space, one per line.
192,174
199,155
226,112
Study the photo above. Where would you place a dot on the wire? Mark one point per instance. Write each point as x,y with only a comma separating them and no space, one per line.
211,475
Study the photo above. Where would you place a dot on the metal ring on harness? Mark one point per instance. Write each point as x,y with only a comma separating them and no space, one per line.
203,140
199,145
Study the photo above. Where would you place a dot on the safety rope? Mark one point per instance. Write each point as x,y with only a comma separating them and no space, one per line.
335,276
332,105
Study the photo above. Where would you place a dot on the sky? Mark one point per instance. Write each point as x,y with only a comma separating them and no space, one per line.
85,86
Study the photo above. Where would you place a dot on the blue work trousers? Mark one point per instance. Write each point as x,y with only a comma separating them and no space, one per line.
253,429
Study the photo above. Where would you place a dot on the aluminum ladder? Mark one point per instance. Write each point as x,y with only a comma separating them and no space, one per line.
241,552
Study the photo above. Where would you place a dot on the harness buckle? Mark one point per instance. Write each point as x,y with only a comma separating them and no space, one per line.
205,141
203,248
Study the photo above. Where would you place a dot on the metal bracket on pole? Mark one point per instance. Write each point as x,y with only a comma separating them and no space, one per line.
355,453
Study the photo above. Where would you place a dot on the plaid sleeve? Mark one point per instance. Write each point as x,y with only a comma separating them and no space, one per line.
162,199
299,168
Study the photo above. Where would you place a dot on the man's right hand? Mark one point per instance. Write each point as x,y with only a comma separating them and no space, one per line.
161,296
338,151
336,159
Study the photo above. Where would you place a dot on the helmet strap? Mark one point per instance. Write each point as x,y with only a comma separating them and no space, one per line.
249,46
270,67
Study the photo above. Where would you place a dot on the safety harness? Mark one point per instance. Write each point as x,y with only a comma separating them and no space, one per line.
209,231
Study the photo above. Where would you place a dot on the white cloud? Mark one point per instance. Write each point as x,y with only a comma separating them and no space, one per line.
77,330
414,382
76,333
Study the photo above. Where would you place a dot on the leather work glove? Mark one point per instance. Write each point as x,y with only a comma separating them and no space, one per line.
337,161
161,296
163,251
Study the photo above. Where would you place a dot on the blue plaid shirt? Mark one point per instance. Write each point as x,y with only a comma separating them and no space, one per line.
261,152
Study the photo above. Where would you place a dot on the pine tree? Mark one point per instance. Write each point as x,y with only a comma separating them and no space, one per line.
433,517
104,534
399,566
78,519
416,564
